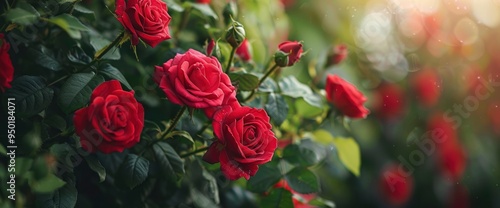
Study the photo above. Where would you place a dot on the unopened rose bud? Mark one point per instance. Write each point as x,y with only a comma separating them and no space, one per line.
291,51
210,47
235,35
244,51
338,55
281,58
230,10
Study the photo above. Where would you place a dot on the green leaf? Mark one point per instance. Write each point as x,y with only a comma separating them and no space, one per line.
245,81
32,95
182,137
133,171
302,180
21,16
205,9
347,149
98,43
202,183
111,72
70,24
64,197
75,92
27,7
77,56
173,5
306,109
46,185
306,153
269,85
45,58
55,121
265,178
291,87
278,198
314,100
3,151
82,9
62,152
320,202
170,162
277,108
96,166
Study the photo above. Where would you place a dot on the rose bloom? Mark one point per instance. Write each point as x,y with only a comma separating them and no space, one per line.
6,68
345,97
245,140
339,54
144,19
112,122
293,49
389,101
195,80
395,188
243,51
426,85
203,1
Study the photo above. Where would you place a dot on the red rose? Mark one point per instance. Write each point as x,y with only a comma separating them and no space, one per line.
244,51
144,19
112,122
452,161
346,97
426,85
339,54
446,135
203,1
389,101
395,188
195,80
244,141
294,51
6,68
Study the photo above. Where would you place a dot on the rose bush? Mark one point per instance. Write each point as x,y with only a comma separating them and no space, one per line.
112,122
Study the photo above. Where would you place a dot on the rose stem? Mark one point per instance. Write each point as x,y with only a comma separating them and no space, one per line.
205,126
233,51
194,152
174,122
269,72
104,50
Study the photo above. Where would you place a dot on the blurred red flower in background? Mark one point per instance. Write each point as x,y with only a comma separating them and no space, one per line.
389,101
426,85
395,188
